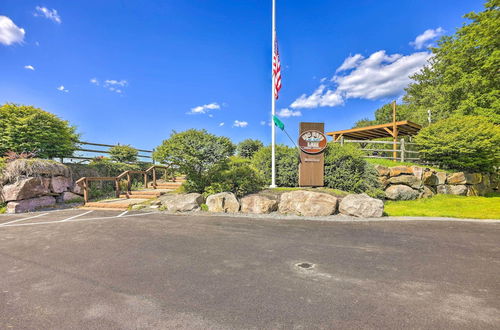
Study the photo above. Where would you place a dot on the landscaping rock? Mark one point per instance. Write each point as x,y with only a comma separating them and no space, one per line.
464,178
258,204
24,189
418,171
308,203
428,192
77,189
182,202
401,192
60,184
384,181
443,189
399,170
409,180
362,206
223,202
382,170
430,179
31,204
441,177
449,189
68,196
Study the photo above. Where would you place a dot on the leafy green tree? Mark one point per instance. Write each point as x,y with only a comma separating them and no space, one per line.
347,170
466,143
123,153
196,153
26,129
248,147
287,165
363,123
462,75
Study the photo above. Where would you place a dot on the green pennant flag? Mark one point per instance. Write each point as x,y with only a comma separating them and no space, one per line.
278,123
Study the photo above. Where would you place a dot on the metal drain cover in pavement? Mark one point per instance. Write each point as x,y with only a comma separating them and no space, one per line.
305,265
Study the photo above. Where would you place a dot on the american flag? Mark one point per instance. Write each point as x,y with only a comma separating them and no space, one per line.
276,70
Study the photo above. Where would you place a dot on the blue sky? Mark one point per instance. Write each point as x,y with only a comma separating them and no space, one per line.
130,72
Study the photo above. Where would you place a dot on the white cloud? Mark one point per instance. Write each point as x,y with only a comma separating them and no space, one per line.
111,84
94,81
204,108
376,77
238,123
29,67
62,89
285,113
10,33
48,13
221,124
423,39
350,62
262,122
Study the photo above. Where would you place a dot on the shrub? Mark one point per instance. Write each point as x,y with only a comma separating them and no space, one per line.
29,129
196,153
465,143
236,175
347,170
287,165
123,153
32,167
247,148
107,167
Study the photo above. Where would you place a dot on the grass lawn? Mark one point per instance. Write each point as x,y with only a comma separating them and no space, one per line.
448,206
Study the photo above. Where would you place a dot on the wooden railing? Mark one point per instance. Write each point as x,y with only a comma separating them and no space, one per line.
405,154
85,181
90,152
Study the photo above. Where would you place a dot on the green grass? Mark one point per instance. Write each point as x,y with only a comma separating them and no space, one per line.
391,163
3,208
448,206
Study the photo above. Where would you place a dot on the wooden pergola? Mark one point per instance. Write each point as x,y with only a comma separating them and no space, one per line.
394,129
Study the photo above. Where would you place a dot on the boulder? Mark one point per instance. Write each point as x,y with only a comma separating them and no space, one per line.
409,180
30,204
451,189
258,204
182,202
427,192
382,170
223,202
401,192
464,178
441,177
308,203
484,187
418,171
399,170
24,189
443,189
362,206
59,184
384,181
77,189
430,179
68,196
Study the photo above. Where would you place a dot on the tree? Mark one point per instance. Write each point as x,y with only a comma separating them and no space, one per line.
29,129
248,147
197,153
123,153
462,75
287,165
465,143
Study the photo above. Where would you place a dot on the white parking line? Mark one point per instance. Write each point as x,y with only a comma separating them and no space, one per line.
35,216
122,214
76,216
77,220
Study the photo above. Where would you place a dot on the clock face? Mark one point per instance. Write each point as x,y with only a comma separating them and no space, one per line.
312,142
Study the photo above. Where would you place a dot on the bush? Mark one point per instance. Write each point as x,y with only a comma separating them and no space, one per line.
465,143
123,153
107,167
197,154
33,167
287,165
236,175
247,148
29,129
347,170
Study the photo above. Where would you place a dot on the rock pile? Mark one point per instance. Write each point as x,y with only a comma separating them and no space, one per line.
412,182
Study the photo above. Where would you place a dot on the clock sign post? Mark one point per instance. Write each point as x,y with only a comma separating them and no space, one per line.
312,143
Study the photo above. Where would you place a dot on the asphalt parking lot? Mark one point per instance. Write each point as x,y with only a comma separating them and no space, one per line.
77,269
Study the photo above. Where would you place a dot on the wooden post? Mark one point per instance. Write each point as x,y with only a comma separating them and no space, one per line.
154,177
145,180
85,191
342,141
394,132
117,187
129,183
402,149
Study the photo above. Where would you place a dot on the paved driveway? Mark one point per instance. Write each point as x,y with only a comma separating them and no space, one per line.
113,270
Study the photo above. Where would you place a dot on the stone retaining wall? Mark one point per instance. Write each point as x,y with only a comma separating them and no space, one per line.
412,182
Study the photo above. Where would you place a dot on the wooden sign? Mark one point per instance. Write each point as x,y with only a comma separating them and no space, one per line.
312,143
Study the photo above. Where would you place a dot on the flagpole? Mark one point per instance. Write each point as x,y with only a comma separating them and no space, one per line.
273,103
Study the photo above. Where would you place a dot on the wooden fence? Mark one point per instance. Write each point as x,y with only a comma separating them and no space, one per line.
405,150
90,152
